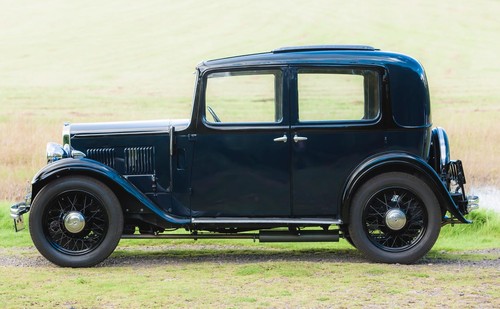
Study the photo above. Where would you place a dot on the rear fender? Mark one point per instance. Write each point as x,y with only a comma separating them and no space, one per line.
70,166
402,162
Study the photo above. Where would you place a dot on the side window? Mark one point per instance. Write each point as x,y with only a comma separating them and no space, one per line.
338,94
244,97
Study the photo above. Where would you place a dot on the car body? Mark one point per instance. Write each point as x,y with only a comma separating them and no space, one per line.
308,143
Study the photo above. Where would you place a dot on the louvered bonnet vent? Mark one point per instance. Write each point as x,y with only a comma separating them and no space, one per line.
136,160
103,155
139,160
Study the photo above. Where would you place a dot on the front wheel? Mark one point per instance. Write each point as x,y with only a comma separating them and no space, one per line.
76,221
394,218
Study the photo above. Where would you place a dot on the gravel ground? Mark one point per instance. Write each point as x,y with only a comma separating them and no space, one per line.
150,256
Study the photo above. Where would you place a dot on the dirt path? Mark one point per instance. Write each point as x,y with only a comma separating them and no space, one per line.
226,254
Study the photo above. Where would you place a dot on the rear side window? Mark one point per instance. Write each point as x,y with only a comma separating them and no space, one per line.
253,96
338,95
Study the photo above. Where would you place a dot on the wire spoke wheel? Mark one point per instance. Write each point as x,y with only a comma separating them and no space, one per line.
395,219
75,222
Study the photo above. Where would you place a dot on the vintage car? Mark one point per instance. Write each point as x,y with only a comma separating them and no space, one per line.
301,144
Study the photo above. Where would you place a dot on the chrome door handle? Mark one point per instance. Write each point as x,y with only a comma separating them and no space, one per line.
297,138
283,139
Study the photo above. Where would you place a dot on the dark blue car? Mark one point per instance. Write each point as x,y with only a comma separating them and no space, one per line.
306,144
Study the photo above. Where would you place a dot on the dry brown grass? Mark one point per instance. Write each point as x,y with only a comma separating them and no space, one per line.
131,60
474,134
33,119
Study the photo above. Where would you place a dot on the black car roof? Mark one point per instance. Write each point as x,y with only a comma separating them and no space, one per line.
409,91
315,54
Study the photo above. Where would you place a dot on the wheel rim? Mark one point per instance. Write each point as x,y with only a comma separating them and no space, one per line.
395,219
75,222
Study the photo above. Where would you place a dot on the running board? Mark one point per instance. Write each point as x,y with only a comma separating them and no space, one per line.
285,221
301,236
262,236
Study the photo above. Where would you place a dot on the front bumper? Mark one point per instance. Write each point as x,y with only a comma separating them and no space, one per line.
18,210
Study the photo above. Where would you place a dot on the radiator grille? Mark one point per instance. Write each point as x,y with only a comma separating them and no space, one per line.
139,160
103,155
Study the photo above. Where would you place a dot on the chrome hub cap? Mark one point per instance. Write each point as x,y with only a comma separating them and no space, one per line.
395,219
74,222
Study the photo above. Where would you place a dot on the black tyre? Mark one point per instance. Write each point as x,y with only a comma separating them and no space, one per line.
76,221
394,218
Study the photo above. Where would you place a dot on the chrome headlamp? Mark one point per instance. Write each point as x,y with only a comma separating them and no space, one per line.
57,152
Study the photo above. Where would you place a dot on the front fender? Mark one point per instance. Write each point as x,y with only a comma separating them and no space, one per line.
70,166
404,162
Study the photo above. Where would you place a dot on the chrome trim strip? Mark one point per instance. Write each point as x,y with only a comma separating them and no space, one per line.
119,133
171,164
129,127
139,175
66,134
192,236
231,220
229,126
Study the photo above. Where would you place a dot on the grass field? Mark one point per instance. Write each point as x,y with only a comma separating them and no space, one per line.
269,284
127,60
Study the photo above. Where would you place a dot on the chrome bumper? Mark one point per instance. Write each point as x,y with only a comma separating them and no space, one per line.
472,203
18,210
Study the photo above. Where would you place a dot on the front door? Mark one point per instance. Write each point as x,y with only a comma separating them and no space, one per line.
241,164
334,128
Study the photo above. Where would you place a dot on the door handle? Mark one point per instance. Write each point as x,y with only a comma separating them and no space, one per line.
297,138
283,139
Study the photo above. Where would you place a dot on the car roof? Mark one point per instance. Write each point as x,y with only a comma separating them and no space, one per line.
313,54
409,93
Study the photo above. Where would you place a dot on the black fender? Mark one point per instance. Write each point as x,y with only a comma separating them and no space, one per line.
70,166
403,162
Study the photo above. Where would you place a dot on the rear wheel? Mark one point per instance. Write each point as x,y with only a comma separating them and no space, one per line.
395,218
76,221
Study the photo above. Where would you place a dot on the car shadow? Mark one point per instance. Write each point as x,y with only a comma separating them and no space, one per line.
226,255
220,254
158,255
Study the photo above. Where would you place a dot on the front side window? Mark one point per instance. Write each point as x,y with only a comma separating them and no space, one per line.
244,97
338,94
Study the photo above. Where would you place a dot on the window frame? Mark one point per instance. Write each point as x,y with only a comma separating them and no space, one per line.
247,125
322,69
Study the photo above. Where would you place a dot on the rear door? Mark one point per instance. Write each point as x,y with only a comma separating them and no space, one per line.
335,126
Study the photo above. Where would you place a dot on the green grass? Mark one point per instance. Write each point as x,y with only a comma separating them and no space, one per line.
241,273
483,233
269,284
